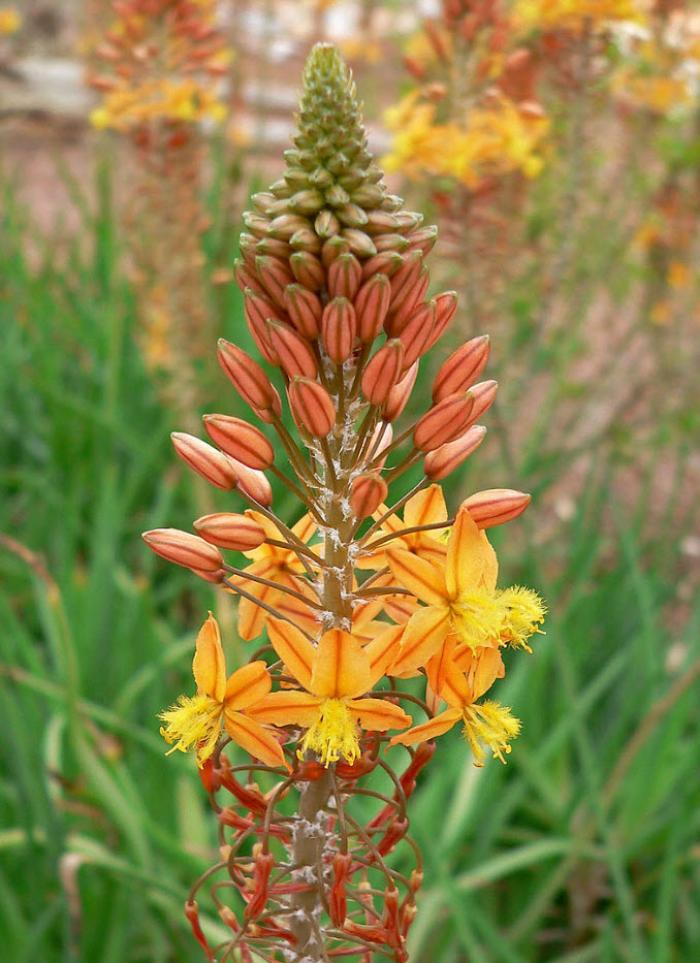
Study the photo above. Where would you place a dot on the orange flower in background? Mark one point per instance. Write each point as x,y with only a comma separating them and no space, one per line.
334,677
487,724
196,721
575,14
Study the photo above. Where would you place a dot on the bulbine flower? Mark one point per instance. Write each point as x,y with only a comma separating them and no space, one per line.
359,590
196,721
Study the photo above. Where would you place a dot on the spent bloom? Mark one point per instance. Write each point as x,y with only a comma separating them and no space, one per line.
359,589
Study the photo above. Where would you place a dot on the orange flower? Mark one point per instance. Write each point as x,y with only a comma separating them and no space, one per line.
461,600
196,721
485,724
280,565
334,675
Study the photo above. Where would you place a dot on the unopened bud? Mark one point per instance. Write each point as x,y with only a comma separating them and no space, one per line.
371,306
405,303
496,506
382,437
253,483
332,249
213,465
386,262
247,377
307,269
416,332
344,276
304,309
246,278
462,368
400,393
242,441
359,242
295,355
284,225
184,549
258,309
445,310
443,423
383,372
423,239
274,276
338,328
367,493
229,530
484,395
444,460
311,406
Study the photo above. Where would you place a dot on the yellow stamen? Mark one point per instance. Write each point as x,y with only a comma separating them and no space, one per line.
477,617
489,724
524,610
193,721
334,735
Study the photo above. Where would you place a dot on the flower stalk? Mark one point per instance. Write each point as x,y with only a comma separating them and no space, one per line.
352,598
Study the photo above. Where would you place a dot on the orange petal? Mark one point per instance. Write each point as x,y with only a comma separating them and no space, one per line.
251,617
293,648
423,635
287,708
378,714
429,548
301,615
256,740
426,507
341,667
304,528
482,669
208,665
439,663
247,685
382,651
455,688
471,562
428,730
418,576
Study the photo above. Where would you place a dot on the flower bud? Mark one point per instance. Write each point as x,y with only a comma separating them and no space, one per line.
332,250
247,377
245,278
445,310
405,279
326,224
400,393
304,309
423,239
367,492
344,276
215,577
295,355
359,242
258,309
213,465
382,437
442,461
228,530
386,262
383,372
496,506
484,395
185,549
311,406
462,368
371,306
405,302
274,276
284,225
443,423
307,270
415,334
242,441
338,328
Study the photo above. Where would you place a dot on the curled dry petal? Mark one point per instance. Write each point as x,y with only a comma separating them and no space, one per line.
229,530
462,368
242,441
443,423
495,506
213,465
185,549
440,463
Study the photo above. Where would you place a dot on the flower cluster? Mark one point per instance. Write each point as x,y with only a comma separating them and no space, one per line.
159,57
574,16
475,118
10,21
362,609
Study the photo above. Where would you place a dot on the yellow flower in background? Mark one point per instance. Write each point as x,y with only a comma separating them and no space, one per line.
195,721
132,105
574,14
495,139
10,21
334,675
